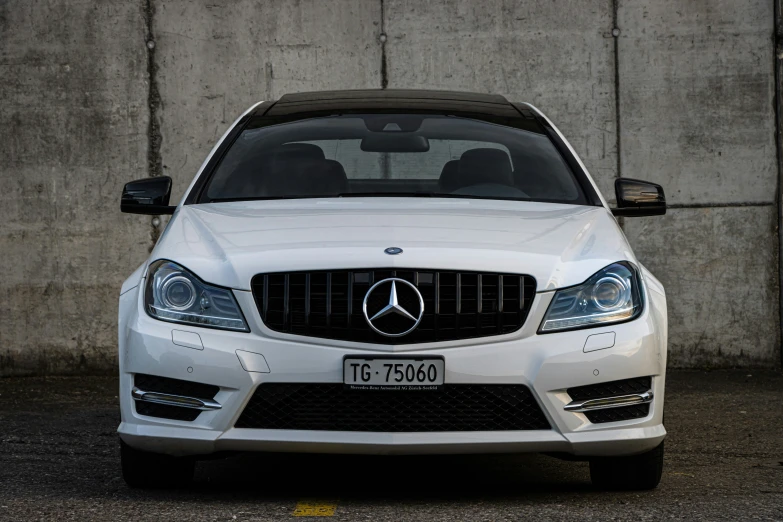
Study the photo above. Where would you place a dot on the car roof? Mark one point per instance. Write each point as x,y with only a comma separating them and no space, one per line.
393,100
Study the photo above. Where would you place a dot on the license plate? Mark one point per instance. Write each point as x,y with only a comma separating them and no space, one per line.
387,373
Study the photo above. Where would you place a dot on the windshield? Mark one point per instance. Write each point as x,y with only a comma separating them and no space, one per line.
387,155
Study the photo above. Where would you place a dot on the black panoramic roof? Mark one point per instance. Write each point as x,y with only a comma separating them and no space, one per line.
392,100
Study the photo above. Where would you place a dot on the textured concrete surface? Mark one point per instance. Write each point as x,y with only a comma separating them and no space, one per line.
215,60
73,121
724,461
696,84
696,98
87,106
718,266
558,56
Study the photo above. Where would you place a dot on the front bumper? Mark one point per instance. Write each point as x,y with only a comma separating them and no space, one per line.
546,364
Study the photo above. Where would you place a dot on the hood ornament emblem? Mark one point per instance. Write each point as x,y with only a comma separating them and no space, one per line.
388,316
393,251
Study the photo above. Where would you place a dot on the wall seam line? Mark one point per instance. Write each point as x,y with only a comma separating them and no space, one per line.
154,159
733,204
383,39
777,56
618,139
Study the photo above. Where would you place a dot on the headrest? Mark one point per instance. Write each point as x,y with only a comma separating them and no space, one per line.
299,151
307,177
480,166
449,177
279,170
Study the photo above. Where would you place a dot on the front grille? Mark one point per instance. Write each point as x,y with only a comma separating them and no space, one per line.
154,383
332,407
614,389
457,305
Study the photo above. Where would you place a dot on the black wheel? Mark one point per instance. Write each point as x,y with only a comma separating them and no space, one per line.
142,469
628,473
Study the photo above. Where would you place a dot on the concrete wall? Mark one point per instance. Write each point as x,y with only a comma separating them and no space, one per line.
683,95
558,56
215,60
697,116
73,129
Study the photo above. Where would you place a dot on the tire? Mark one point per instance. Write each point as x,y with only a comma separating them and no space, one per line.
637,472
142,469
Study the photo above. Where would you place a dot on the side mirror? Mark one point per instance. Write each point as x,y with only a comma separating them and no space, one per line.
638,198
147,196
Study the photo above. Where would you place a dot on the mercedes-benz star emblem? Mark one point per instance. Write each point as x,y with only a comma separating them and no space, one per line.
393,307
393,251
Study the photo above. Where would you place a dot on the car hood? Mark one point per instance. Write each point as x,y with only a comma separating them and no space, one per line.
228,243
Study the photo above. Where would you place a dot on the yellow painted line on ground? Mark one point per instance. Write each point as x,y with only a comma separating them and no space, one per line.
315,508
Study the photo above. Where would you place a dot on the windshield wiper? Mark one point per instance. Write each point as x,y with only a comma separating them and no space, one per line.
261,198
389,194
340,195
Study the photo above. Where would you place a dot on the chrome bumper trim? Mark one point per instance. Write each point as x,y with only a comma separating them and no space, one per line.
175,400
609,402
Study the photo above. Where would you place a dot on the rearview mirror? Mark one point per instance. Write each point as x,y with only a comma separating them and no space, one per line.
147,196
638,198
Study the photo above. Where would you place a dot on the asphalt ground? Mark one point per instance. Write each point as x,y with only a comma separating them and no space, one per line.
59,460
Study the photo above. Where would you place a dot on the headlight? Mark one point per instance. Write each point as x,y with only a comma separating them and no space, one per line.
173,294
613,295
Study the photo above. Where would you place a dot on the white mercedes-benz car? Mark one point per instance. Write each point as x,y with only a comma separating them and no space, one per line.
393,272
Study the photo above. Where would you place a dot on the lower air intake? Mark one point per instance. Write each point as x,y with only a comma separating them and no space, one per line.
154,383
614,389
331,407
610,389
637,411
164,411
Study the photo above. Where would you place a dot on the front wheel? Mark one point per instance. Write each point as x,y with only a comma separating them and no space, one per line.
635,472
142,469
